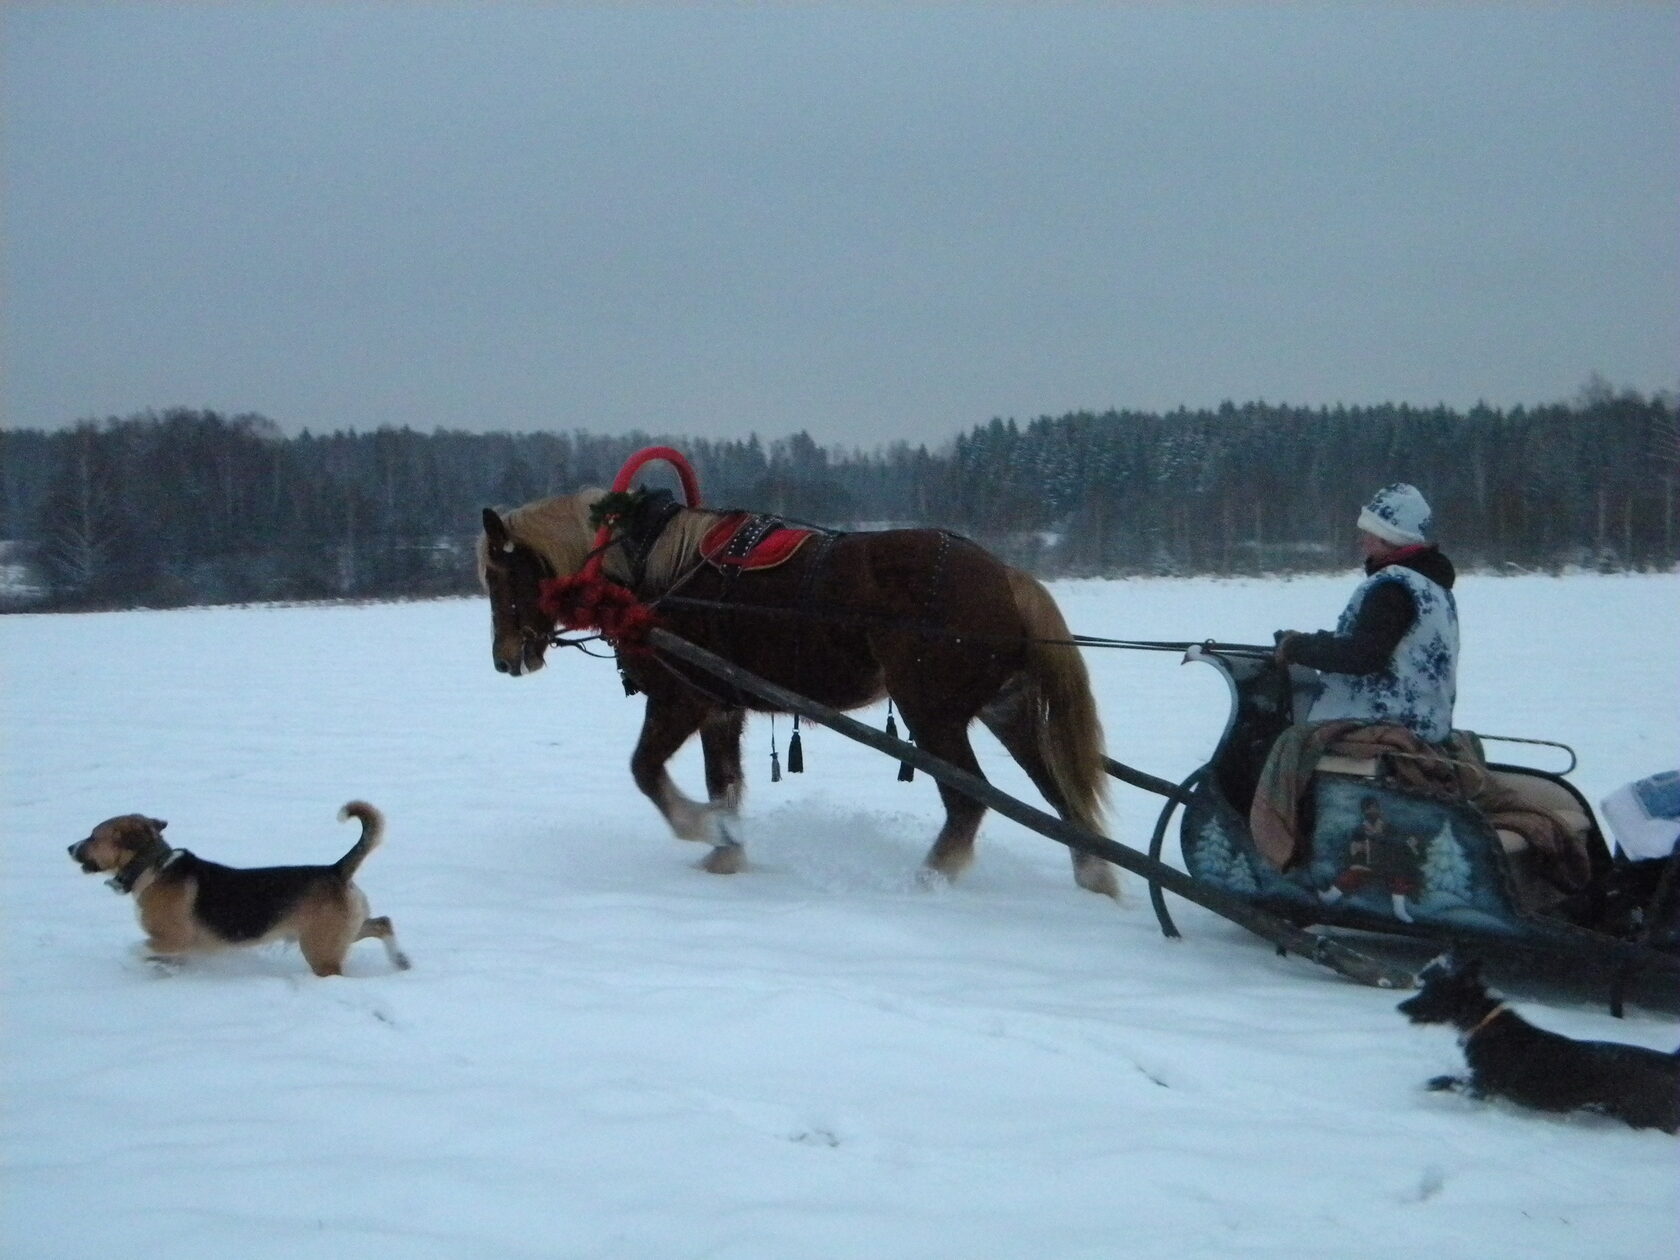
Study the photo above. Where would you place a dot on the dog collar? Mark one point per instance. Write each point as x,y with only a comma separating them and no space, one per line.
1484,1021
154,856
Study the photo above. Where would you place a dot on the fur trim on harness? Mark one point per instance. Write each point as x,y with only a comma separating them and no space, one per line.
583,602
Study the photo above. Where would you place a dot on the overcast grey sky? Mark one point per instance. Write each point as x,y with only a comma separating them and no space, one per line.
869,222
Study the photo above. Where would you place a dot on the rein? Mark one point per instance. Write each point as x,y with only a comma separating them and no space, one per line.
934,630
589,601
564,637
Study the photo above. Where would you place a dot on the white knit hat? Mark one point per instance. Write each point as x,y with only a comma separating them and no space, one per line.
1398,514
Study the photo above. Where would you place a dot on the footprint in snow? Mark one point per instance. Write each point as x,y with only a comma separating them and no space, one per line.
815,1137
1150,1076
1430,1184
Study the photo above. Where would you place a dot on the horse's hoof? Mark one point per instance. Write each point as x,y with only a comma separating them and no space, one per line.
1108,887
1098,877
725,859
932,879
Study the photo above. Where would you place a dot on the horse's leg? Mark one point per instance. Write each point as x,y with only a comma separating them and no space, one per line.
1013,716
666,726
720,740
720,743
953,848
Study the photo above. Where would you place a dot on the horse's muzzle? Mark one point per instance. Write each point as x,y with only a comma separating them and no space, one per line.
526,661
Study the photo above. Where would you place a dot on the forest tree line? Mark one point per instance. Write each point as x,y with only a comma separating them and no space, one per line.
186,506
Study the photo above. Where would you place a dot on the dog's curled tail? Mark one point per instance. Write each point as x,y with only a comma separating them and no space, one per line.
373,831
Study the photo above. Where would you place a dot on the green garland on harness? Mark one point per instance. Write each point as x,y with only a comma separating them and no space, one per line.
616,504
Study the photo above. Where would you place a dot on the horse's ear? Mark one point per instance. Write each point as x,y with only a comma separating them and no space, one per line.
495,530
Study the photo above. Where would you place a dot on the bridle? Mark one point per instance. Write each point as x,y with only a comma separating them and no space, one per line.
519,604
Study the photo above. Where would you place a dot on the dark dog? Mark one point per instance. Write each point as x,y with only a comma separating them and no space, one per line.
1511,1058
188,905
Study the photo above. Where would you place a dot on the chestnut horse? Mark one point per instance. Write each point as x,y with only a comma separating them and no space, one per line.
942,627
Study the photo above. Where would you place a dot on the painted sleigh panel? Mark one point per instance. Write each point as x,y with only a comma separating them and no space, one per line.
1377,853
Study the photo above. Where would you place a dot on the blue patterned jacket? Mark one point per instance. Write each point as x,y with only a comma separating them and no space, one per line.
1412,684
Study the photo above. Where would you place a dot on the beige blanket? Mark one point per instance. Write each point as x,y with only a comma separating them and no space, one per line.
1454,772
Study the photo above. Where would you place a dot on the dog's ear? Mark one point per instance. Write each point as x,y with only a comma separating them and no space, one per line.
159,823
1438,967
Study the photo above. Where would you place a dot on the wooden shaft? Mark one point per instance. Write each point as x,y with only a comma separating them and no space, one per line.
1284,935
1142,779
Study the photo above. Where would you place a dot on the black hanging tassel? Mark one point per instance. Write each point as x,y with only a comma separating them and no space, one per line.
892,723
906,772
796,751
775,761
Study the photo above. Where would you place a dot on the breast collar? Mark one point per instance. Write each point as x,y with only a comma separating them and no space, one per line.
639,529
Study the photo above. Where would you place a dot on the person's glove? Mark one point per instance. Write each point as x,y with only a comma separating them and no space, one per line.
1282,639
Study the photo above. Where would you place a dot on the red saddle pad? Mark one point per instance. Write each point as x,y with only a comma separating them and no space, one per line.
774,546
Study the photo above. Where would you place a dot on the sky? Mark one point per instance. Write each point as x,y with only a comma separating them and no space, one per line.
870,223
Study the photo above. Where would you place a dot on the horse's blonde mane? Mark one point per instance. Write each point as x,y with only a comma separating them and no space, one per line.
678,548
559,531
556,529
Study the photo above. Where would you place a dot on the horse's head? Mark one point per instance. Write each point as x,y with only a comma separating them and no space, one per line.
517,552
512,573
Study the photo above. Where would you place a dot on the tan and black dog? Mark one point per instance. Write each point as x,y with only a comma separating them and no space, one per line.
188,905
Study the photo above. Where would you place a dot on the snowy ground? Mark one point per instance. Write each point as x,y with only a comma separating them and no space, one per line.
603,1052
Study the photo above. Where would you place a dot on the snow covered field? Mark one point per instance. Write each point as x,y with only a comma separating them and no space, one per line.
603,1052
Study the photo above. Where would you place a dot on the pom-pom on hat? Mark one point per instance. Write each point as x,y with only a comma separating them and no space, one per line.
1398,514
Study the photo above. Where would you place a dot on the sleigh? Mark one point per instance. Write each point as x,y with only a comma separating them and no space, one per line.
1436,869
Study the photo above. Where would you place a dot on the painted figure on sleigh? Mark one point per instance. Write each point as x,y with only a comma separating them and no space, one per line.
1379,856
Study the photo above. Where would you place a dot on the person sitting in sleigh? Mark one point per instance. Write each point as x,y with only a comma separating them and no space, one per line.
1393,657
1388,676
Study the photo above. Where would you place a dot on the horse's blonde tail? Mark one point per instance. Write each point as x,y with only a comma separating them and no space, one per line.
1069,732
